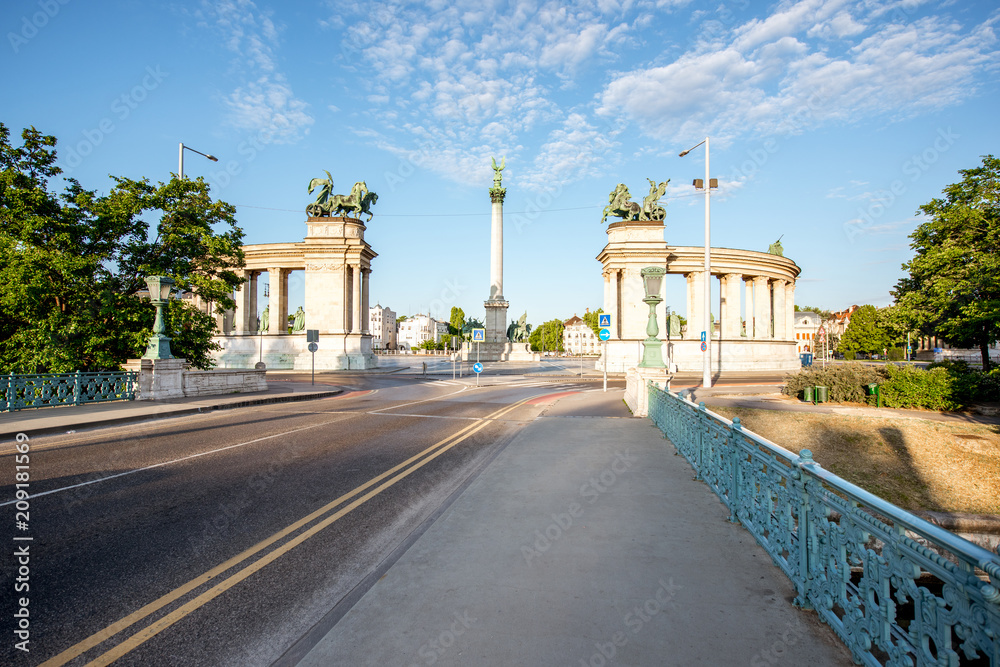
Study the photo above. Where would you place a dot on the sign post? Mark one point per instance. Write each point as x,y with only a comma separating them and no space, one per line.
604,322
312,337
478,336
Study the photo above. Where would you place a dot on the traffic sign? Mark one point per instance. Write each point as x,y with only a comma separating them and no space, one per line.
312,335
479,336
313,347
604,334
703,339
604,320
477,367
704,346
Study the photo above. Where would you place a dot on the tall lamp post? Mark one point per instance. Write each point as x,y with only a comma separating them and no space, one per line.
707,185
180,158
159,294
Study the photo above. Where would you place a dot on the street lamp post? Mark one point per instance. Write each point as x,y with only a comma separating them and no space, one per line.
180,158
652,347
708,184
159,294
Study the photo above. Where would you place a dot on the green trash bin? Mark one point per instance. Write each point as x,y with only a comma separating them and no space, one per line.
807,394
822,394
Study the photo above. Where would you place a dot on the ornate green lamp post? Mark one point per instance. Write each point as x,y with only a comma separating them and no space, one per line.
159,294
652,353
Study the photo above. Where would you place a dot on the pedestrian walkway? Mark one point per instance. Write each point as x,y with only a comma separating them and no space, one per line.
39,421
584,542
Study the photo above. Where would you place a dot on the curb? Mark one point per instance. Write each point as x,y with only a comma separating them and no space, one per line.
115,421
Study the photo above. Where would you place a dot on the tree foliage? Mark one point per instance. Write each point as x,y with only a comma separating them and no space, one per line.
547,336
72,265
863,334
953,287
591,320
456,321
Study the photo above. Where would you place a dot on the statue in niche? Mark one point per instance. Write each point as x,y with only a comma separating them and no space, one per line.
265,318
519,331
775,248
675,325
299,323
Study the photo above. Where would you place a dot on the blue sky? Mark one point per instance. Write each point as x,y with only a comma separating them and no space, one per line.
830,123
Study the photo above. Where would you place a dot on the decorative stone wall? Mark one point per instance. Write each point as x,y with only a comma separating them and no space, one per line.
161,379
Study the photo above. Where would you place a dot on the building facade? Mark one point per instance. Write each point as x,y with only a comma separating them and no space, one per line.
807,324
579,338
382,325
415,330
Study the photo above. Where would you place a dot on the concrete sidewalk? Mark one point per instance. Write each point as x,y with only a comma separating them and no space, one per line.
585,542
41,421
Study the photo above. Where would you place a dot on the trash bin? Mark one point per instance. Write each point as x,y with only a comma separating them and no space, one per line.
807,358
873,391
807,394
822,394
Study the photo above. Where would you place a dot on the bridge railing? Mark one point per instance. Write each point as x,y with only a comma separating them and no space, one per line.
896,589
50,389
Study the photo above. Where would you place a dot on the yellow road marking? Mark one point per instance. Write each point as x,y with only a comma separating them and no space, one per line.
133,618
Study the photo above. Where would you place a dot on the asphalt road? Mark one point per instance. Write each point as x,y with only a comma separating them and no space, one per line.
225,538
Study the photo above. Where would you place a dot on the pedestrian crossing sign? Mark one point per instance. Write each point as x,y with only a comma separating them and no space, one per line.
604,320
479,335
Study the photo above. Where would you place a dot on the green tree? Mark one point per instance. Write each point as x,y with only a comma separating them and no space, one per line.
824,314
553,336
863,334
895,321
591,320
73,265
953,287
457,321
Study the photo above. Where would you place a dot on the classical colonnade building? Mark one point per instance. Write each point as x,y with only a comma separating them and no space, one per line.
756,305
336,261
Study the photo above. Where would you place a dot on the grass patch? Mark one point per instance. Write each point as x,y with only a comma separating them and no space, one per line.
913,463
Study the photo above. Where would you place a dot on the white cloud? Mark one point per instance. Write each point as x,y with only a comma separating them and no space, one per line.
264,103
783,74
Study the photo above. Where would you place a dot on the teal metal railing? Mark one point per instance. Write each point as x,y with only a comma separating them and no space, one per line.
895,588
18,392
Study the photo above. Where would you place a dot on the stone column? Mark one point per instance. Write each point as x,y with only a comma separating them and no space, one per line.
356,324
730,305
761,308
748,312
695,307
252,286
278,301
241,315
790,310
365,308
779,309
496,249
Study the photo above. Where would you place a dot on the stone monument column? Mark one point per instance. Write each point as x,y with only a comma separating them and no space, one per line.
241,314
496,305
364,301
790,310
779,309
748,313
730,315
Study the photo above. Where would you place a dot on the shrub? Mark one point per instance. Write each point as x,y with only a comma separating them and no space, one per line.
896,354
850,355
911,387
989,388
846,382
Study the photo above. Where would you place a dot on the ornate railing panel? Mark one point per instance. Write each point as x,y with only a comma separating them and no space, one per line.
895,588
49,389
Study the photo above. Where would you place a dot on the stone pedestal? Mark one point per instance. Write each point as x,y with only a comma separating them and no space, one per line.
505,351
159,379
496,321
637,387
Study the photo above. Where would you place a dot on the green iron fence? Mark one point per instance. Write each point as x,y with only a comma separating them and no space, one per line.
895,588
18,392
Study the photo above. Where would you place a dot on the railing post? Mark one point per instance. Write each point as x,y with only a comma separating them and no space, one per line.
807,537
734,484
702,422
76,388
9,388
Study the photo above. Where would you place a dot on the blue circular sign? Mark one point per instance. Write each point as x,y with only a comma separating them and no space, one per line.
604,334
704,346
477,367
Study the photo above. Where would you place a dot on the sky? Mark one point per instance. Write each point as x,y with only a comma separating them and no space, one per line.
830,123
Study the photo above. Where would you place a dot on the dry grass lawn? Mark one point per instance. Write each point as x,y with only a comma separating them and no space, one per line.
913,463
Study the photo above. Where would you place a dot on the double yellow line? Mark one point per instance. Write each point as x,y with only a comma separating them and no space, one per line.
394,475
